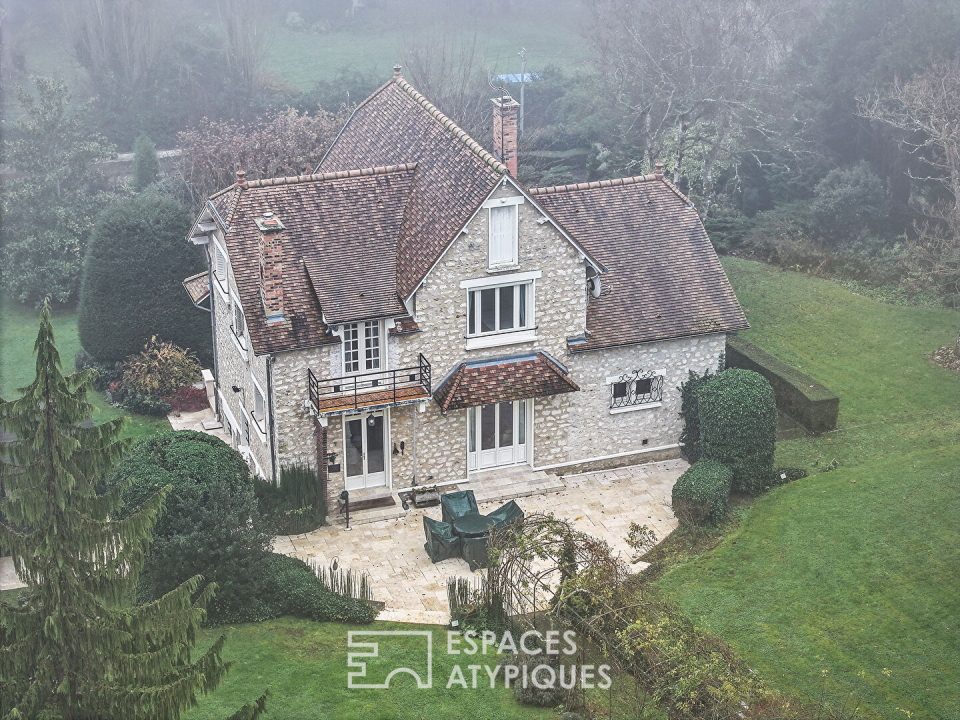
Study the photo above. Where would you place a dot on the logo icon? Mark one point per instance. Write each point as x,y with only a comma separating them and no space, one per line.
363,646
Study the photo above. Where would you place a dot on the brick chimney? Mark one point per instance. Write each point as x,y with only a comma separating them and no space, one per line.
506,112
271,265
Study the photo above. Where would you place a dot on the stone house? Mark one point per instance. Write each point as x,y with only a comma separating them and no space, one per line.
412,314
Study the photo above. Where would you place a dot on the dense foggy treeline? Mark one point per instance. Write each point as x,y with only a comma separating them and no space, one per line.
817,134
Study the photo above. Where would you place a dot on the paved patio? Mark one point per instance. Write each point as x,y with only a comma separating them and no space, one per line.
601,503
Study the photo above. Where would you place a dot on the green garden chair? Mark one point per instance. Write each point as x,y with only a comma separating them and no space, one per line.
506,514
457,504
442,543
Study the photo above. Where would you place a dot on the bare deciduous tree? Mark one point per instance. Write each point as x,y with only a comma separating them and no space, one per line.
925,112
447,69
694,76
285,142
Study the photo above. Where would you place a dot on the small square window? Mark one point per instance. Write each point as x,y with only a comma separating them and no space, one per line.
643,386
620,389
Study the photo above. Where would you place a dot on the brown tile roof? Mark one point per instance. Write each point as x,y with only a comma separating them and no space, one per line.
340,263
481,382
454,173
664,279
197,287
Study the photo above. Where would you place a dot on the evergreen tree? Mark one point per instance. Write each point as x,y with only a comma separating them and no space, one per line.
75,646
132,272
146,166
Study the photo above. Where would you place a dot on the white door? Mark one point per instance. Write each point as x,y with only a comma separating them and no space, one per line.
364,451
497,434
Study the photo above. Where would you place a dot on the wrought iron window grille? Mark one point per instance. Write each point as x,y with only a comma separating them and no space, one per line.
636,388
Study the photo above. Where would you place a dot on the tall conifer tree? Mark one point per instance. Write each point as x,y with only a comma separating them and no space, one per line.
76,646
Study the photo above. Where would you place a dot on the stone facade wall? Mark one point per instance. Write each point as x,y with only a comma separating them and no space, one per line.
235,368
584,424
560,298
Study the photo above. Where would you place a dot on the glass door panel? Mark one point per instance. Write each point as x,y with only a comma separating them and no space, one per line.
376,462
353,453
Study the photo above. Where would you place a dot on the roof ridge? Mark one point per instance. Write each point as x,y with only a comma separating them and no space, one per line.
450,126
593,185
321,177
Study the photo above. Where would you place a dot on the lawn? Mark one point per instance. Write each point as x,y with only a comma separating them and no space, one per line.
304,665
18,330
300,59
844,584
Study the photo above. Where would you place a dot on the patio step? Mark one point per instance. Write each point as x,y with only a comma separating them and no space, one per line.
369,514
503,486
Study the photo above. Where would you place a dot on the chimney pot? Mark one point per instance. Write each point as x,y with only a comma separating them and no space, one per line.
658,167
396,70
506,112
241,177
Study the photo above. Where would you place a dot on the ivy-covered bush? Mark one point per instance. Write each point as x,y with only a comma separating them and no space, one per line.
700,494
690,414
131,285
210,524
738,425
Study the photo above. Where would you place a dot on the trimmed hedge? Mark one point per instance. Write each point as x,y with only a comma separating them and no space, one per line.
290,587
131,286
690,414
738,426
700,494
798,395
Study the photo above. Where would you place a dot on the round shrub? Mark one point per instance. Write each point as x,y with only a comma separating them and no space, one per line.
210,523
738,425
700,494
131,286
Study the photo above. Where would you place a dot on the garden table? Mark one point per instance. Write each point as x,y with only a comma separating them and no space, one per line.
473,525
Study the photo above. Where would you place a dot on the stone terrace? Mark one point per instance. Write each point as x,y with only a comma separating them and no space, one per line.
601,503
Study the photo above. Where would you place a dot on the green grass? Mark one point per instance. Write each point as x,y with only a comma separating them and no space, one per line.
18,330
304,665
843,585
300,59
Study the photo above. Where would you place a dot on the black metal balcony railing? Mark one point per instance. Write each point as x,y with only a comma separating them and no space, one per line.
372,389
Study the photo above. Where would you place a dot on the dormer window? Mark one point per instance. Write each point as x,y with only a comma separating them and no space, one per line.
362,347
503,250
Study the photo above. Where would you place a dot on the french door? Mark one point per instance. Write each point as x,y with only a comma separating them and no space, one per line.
364,450
498,434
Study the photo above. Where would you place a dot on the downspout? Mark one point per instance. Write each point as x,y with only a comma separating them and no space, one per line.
274,471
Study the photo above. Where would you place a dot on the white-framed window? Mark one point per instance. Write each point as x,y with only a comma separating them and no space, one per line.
636,390
499,309
218,263
239,324
259,406
501,312
362,347
503,221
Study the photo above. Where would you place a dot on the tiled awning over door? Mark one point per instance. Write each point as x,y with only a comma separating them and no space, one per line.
516,377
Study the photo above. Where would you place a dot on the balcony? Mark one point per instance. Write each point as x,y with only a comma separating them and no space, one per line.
381,388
